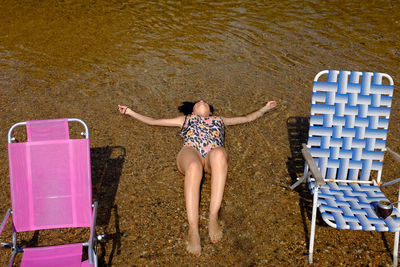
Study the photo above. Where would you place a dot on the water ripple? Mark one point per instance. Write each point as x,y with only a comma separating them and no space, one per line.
74,36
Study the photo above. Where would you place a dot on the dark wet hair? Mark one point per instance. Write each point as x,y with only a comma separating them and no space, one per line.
187,107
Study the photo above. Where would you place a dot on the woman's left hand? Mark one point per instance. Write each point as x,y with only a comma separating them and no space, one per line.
270,105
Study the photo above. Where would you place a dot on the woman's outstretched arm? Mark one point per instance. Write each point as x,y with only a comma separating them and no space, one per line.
178,121
250,117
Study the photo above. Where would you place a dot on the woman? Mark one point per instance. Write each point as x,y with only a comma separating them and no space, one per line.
203,149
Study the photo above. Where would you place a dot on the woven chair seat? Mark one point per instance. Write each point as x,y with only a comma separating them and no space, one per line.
352,206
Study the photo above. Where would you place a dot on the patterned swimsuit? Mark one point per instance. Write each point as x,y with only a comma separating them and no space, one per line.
203,133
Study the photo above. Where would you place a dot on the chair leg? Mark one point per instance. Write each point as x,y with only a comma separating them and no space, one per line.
396,241
14,249
95,260
13,255
313,221
396,249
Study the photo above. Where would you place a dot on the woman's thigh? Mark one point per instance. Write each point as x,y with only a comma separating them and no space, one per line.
216,154
188,156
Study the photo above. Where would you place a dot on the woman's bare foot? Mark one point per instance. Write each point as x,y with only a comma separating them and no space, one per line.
214,230
193,245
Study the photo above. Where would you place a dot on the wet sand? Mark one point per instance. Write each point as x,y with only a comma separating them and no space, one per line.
81,61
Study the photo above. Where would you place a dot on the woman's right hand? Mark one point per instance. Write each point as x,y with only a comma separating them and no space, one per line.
122,109
270,105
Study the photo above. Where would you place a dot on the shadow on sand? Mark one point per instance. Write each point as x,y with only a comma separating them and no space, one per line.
107,163
297,128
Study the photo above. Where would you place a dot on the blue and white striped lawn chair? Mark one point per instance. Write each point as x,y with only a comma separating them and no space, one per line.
344,154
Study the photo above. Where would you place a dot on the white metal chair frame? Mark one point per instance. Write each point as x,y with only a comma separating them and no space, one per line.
337,139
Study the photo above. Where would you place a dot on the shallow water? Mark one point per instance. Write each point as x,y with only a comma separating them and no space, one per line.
82,58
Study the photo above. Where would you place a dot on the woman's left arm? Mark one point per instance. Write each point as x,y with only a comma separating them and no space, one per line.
249,117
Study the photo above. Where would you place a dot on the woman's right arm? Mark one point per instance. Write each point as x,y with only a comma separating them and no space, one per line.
177,122
250,117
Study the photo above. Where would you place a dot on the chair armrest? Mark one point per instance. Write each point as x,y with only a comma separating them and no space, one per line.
397,158
92,233
394,154
4,222
392,182
300,180
312,165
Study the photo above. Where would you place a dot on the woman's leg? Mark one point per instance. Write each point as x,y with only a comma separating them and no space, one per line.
191,164
217,164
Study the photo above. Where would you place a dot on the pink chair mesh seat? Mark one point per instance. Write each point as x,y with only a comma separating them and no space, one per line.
50,183
60,256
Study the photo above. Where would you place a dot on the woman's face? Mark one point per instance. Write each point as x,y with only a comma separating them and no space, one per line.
201,108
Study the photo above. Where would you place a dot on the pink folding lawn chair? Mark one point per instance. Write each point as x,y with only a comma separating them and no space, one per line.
51,188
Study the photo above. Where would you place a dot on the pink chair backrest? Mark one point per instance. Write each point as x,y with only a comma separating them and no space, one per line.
45,130
50,179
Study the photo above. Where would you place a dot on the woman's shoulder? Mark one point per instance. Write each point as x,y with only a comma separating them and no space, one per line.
217,118
191,115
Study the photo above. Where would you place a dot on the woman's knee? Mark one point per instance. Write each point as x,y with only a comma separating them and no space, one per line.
194,166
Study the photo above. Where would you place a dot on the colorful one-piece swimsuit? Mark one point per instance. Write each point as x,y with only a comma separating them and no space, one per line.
203,133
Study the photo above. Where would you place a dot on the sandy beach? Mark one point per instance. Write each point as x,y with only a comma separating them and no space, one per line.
67,59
